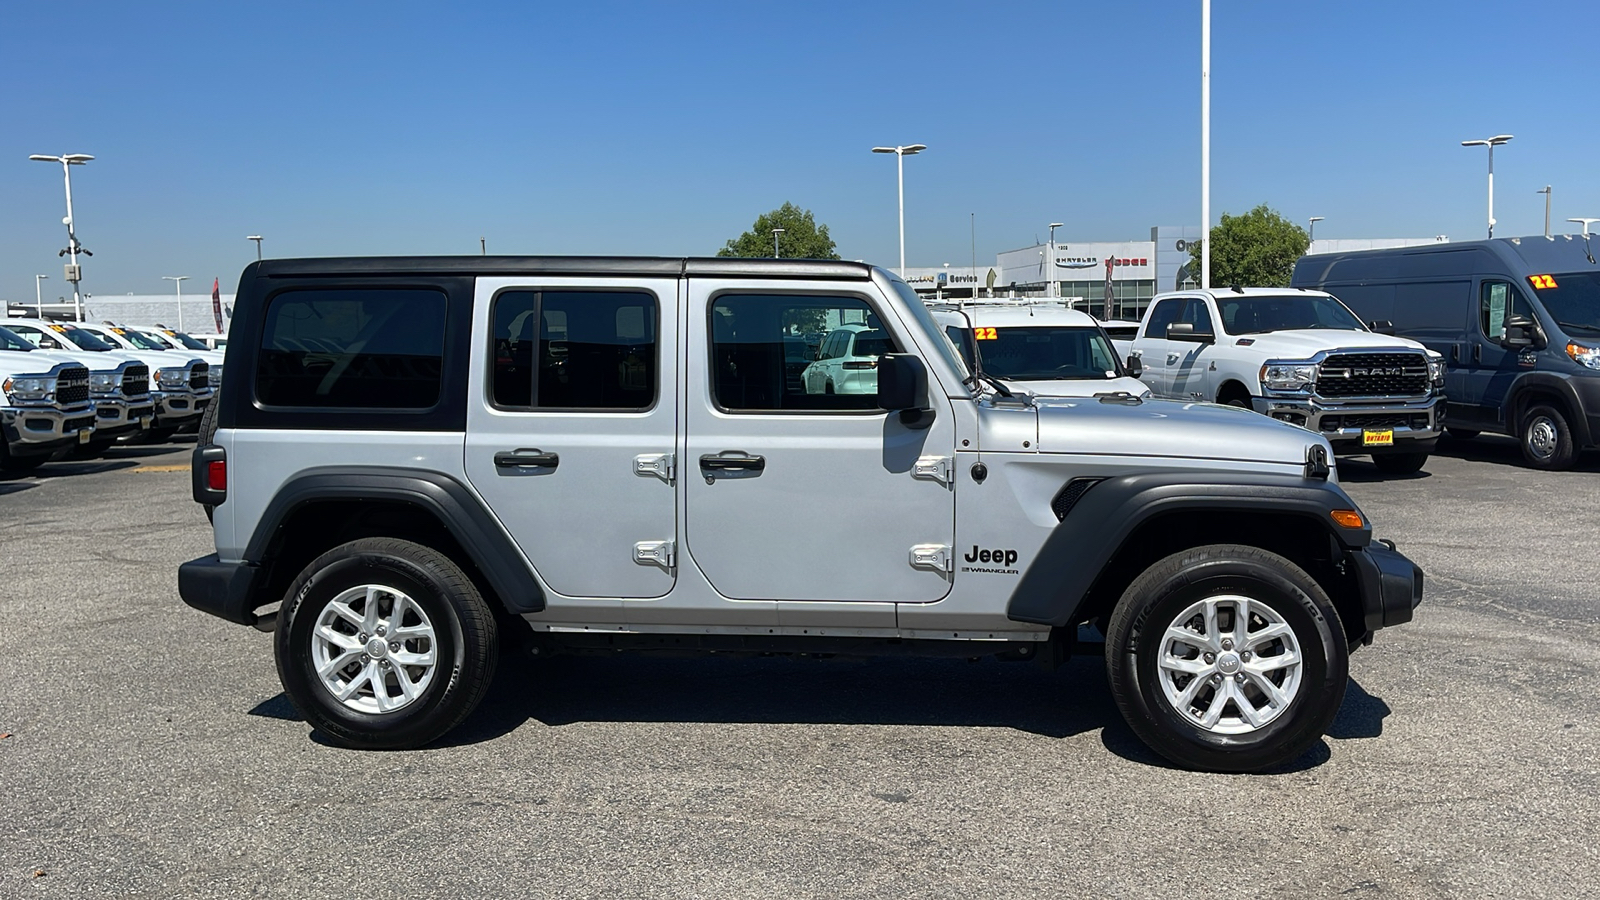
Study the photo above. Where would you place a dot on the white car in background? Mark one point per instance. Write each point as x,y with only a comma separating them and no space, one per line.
119,380
180,380
185,343
1038,346
847,361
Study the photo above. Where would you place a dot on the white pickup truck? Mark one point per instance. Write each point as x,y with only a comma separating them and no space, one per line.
1301,357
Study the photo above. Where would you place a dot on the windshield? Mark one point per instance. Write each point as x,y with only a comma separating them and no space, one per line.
141,340
1288,312
1573,300
188,342
1041,352
924,320
9,340
86,340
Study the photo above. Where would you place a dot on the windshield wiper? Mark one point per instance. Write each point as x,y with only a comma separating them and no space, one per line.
972,380
1570,325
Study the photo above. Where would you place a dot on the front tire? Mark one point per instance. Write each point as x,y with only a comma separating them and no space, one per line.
1546,439
1227,658
385,644
1399,463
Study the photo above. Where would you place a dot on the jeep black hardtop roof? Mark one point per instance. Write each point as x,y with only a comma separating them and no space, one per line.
715,267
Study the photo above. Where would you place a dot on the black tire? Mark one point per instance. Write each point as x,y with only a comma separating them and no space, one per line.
1462,434
1155,599
93,449
465,647
1399,463
208,425
1546,439
160,434
9,463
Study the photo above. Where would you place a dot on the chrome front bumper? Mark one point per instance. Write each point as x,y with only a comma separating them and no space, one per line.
1343,423
116,415
177,407
36,430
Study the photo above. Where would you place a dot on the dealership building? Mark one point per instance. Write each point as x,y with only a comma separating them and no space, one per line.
1109,279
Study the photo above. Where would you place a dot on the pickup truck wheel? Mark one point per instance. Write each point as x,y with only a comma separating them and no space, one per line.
385,644
1547,439
9,463
1399,463
1227,658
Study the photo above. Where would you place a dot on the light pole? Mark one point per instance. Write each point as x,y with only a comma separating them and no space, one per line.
177,282
1311,231
1205,144
775,233
1585,223
900,154
38,297
1491,143
1050,267
1546,193
257,239
68,160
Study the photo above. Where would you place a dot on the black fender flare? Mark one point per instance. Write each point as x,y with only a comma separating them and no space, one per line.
1095,530
480,535
1557,384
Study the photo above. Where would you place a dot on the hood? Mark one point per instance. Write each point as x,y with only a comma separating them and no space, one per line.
1303,343
1170,428
36,361
1080,387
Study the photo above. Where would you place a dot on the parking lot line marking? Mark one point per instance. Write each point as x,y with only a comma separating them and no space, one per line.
184,467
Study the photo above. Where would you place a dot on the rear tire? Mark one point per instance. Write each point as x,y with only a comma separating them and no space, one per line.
1546,439
1282,672
385,644
1399,463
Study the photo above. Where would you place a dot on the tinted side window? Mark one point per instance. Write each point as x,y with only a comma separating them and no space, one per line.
751,370
1196,314
1166,313
574,350
352,349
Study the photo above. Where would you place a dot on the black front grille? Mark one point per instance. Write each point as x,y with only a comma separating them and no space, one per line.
1376,420
136,381
200,377
72,386
1069,496
1373,375
77,424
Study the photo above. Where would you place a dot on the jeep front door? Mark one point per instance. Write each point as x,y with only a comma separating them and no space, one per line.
796,493
572,428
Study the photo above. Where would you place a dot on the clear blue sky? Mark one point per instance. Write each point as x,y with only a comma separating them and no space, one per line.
666,128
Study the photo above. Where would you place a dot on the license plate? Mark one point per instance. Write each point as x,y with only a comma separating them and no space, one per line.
83,435
144,423
1383,438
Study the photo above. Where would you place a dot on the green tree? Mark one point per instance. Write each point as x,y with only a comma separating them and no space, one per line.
1257,249
802,238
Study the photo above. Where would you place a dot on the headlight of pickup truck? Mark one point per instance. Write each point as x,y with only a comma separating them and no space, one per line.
173,377
102,382
29,387
1588,357
1292,376
1436,369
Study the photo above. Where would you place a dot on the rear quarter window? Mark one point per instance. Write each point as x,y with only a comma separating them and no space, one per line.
352,349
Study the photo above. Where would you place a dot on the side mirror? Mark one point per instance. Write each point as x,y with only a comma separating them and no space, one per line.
1184,331
903,388
1135,366
1382,326
1520,332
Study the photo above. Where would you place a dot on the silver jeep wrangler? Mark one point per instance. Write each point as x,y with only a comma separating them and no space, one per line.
623,454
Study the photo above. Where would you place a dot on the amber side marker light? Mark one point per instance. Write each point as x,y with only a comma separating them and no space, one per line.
1347,518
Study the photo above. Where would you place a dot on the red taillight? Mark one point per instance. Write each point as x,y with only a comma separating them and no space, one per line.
217,474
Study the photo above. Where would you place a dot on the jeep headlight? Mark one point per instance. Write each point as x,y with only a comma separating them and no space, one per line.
1290,376
1436,369
1588,357
29,387
102,382
172,377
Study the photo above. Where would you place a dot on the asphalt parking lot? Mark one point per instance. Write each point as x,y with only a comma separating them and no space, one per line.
146,749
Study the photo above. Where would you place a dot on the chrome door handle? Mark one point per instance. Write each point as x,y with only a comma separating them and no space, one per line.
733,460
526,459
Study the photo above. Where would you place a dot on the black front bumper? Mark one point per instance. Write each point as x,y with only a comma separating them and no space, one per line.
222,589
1391,585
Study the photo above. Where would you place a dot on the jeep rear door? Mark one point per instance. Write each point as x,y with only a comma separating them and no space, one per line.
572,427
793,493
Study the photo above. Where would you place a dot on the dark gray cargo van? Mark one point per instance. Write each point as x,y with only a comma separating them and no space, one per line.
1517,320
